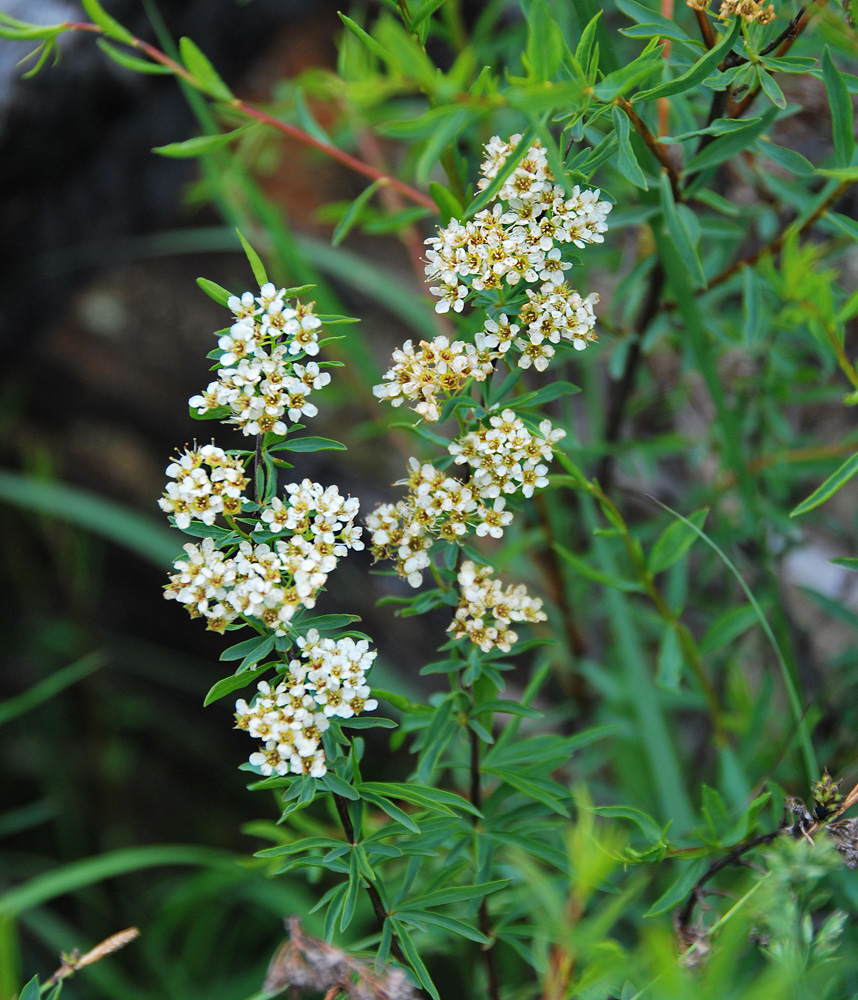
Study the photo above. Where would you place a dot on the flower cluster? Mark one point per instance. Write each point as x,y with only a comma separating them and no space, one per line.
507,457
328,680
434,368
517,241
749,10
555,314
261,383
436,506
486,609
198,494
264,582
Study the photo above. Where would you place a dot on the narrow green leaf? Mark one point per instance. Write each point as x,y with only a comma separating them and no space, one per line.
543,790
229,684
448,205
254,259
508,707
262,644
457,894
831,485
751,305
111,28
687,252
446,132
334,783
847,562
428,797
207,76
596,575
299,846
615,84
137,532
674,542
31,990
134,63
627,162
546,45
842,115
699,71
51,686
367,39
42,888
412,955
586,44
394,812
353,212
354,888
199,145
422,917
670,660
214,291
727,628
729,144
690,872
648,826
305,118
645,16
309,443
771,89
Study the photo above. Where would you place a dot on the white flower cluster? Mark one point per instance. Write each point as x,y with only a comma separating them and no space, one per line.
198,494
507,457
261,383
265,582
436,367
486,609
328,680
551,315
518,240
436,506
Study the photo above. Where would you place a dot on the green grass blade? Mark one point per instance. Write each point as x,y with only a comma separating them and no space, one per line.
137,532
39,693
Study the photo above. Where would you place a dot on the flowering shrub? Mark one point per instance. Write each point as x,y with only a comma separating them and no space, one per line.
616,723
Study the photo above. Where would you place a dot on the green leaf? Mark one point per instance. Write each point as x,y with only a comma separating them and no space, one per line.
509,707
457,894
422,917
31,990
258,646
128,61
214,291
543,790
44,690
546,46
727,628
298,846
597,576
847,562
690,872
354,888
448,205
771,89
555,390
352,213
729,144
137,532
622,80
670,660
687,252
229,684
645,16
587,43
648,826
309,443
699,71
676,539
394,812
428,797
254,259
367,39
441,138
48,885
411,953
334,783
831,485
842,115
199,66
111,28
200,144
627,162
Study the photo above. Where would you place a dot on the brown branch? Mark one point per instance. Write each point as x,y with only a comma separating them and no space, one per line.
418,197
778,241
372,892
705,28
